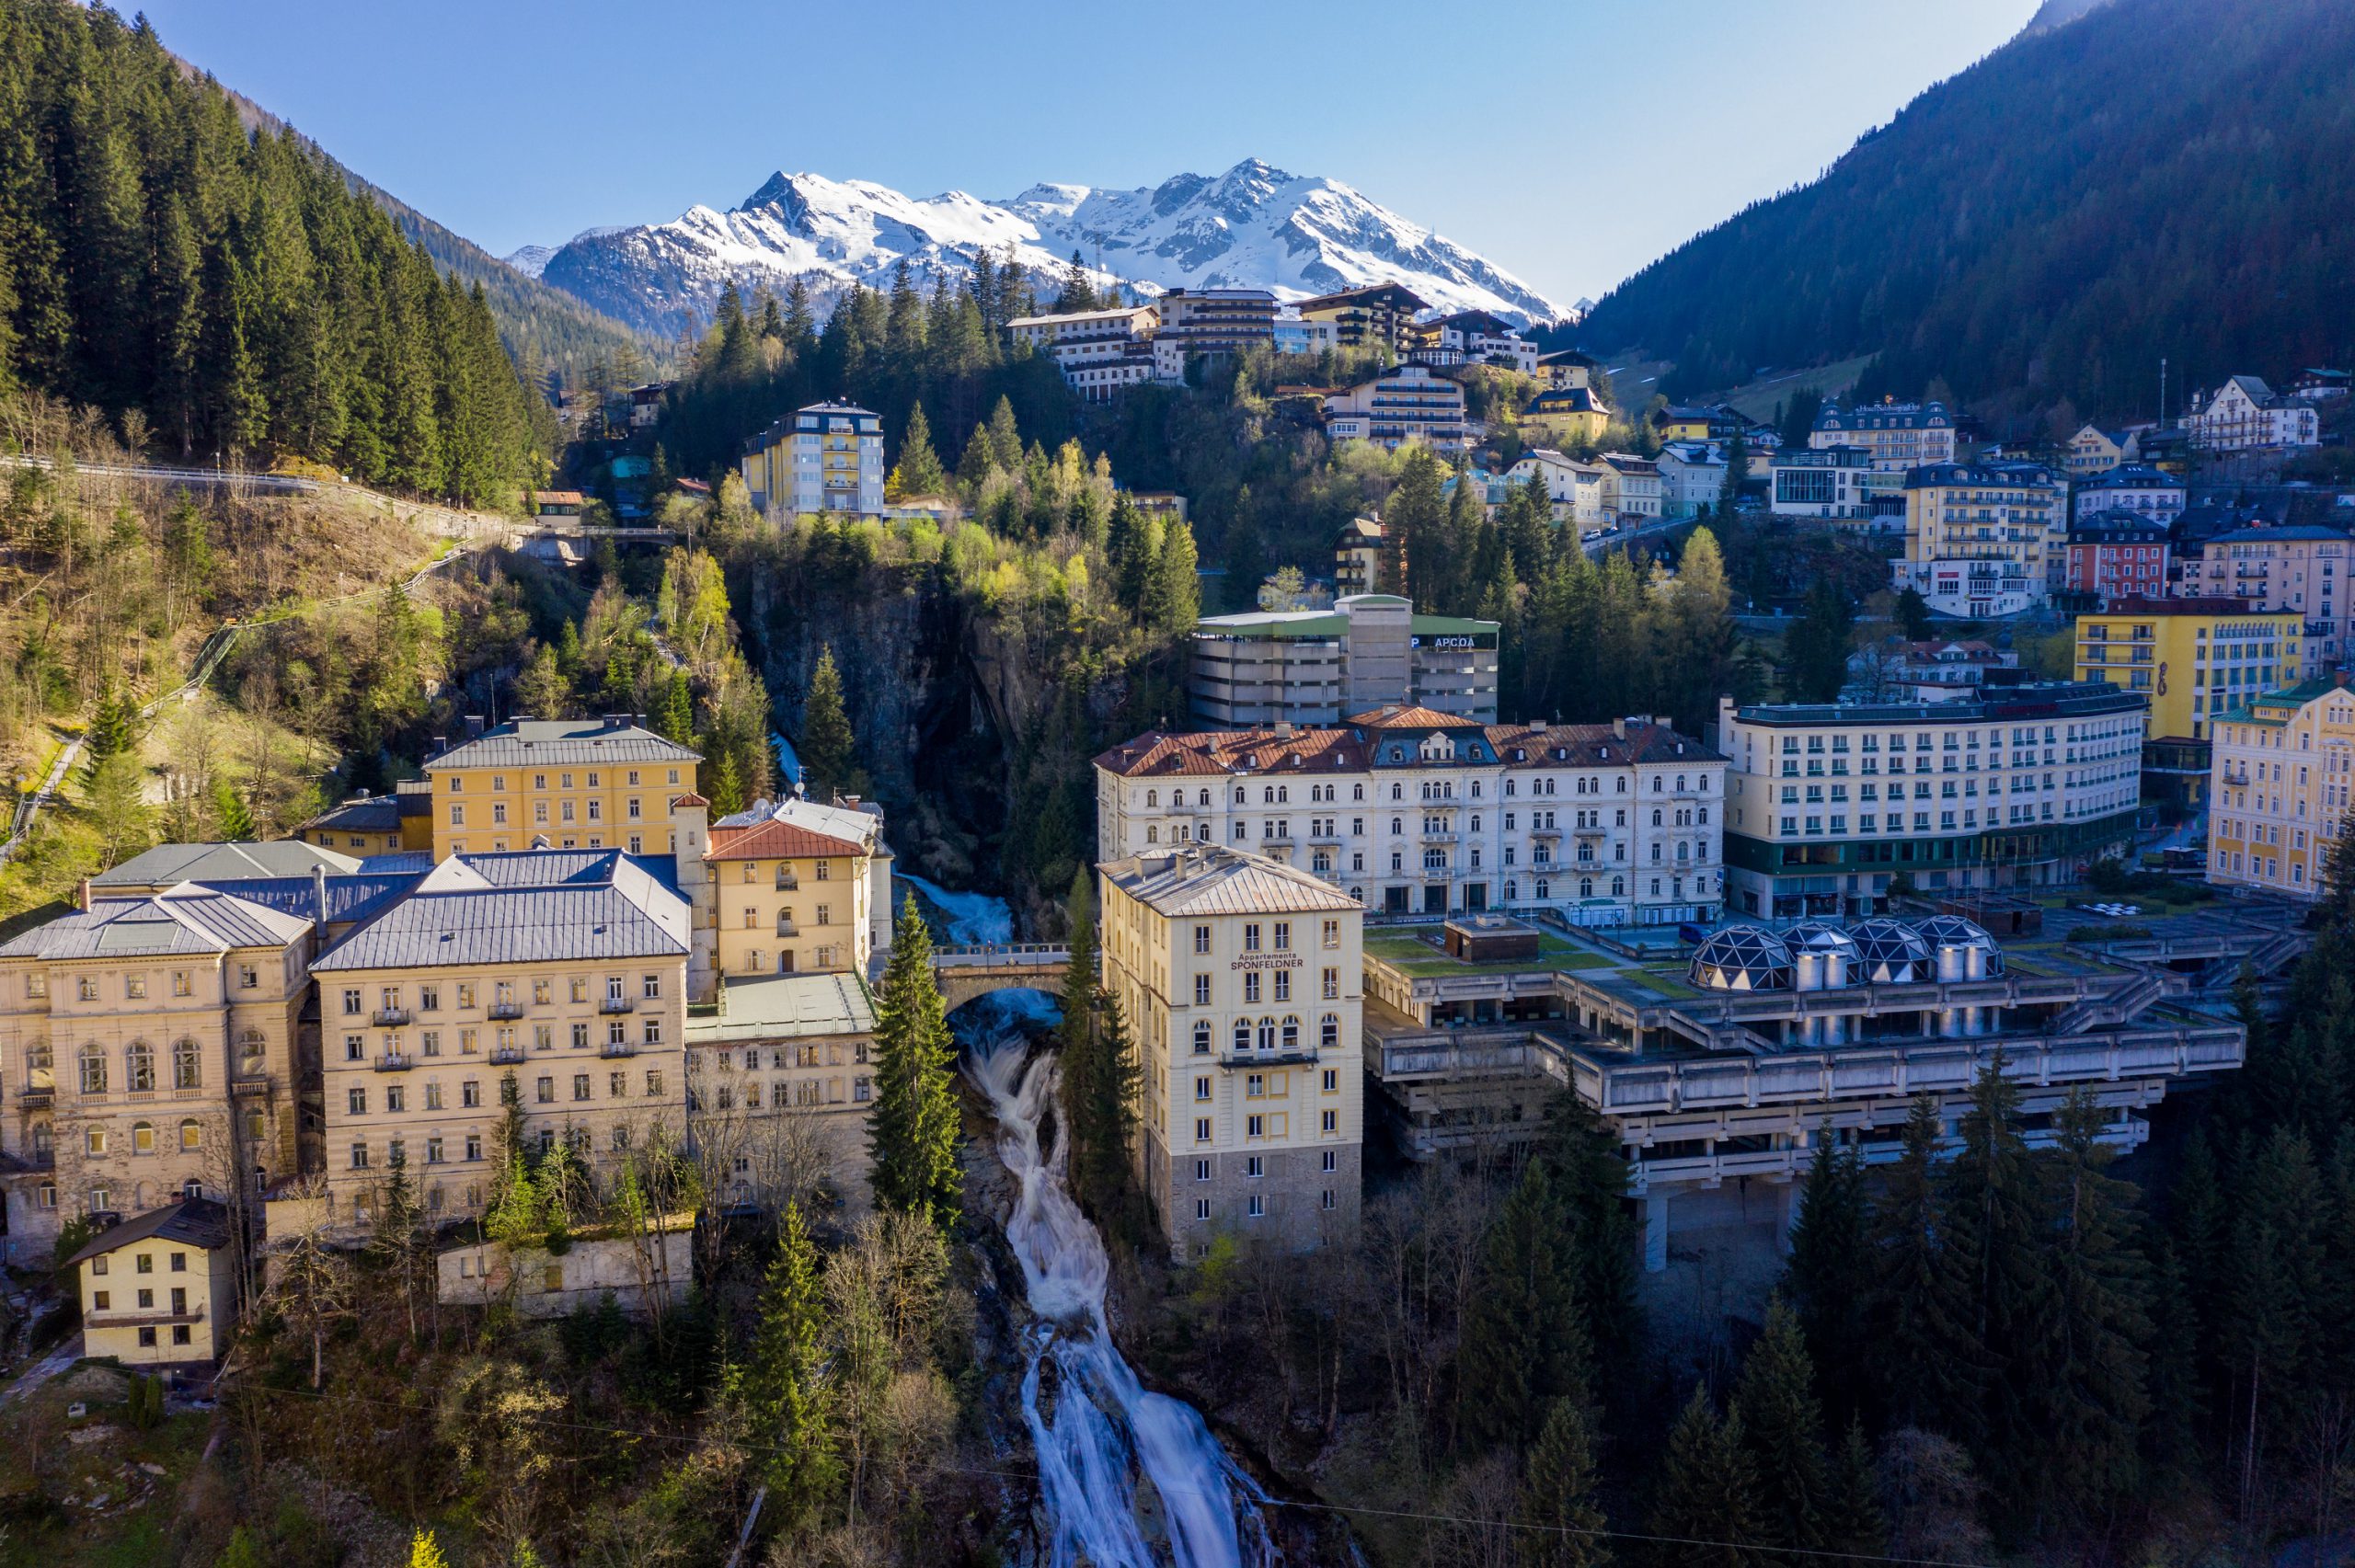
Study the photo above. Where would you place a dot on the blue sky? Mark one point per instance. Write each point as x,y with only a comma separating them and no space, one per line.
1570,142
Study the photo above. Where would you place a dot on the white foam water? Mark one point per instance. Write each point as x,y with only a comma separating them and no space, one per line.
1106,1436
972,918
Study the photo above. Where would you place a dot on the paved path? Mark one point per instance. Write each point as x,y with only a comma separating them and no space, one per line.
67,1352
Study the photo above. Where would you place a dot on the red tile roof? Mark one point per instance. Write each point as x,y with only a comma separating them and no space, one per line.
776,839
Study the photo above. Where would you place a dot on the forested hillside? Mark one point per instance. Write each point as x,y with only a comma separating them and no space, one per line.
2161,177
220,291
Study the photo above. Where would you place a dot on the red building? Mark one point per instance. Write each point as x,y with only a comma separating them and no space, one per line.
2117,554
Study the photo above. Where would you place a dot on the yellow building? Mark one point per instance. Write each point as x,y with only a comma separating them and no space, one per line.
2194,658
149,1046
2094,451
1242,980
161,1289
557,978
2284,763
793,894
578,784
1977,536
365,825
1568,416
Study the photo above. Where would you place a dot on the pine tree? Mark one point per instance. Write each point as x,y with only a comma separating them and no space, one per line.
919,469
1992,1284
1736,475
1076,1035
912,1130
1173,589
1524,1341
827,747
1829,1278
1784,1428
781,1385
726,785
115,797
1705,1506
1561,1525
1589,1176
1911,1326
1005,439
232,820
676,723
1852,1515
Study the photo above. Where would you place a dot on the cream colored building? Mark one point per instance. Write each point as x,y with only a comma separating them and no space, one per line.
1242,980
578,784
2277,798
1977,537
149,1050
161,1289
2302,568
563,975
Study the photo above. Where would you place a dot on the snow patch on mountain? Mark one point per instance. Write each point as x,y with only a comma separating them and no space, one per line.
1254,226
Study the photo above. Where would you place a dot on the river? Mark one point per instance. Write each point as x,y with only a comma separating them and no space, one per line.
1130,1478
968,920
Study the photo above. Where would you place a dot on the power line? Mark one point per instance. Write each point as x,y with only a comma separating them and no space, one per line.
1345,1510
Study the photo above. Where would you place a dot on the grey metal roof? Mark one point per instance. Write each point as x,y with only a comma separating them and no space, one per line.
777,1007
167,864
361,813
561,742
349,898
457,916
199,1221
186,919
1215,880
556,868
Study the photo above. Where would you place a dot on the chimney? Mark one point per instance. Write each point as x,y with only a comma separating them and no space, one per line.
82,895
1619,729
319,894
473,726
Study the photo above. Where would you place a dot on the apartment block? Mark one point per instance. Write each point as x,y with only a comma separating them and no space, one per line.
1831,482
1631,487
1473,338
1896,436
1571,416
2284,763
1574,488
2111,554
1242,980
161,1290
580,784
1215,321
1312,666
1691,478
2246,415
1977,537
1406,404
364,824
2149,493
2301,568
824,459
1828,803
1099,351
2194,660
1411,811
1381,316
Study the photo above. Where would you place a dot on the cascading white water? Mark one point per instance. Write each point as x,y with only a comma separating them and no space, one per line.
1105,1429
972,918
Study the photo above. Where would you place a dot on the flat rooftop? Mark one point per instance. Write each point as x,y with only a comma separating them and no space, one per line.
782,1007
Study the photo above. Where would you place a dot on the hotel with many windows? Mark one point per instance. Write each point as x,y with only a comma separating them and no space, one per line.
2285,762
2193,659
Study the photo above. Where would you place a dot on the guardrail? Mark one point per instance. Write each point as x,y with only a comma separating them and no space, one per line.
1001,955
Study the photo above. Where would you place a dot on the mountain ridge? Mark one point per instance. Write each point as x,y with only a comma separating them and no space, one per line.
1251,226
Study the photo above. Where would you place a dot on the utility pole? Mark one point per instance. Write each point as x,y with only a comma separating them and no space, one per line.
2163,392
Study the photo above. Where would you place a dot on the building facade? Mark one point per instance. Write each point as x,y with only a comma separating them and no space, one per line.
1570,416
1977,537
1896,436
364,825
1631,488
2113,554
2147,492
2284,763
1828,804
825,458
1691,478
1099,351
1312,666
1574,489
2194,659
1242,980
2300,567
161,1290
1821,481
1214,321
2246,415
1410,811
1473,338
1381,316
578,784
1406,404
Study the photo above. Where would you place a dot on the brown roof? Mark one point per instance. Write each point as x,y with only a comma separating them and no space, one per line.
1593,745
776,839
691,798
1407,718
1154,753
1157,754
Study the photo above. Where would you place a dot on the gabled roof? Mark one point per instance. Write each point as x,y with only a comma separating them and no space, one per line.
777,839
167,864
1214,880
2280,707
185,919
561,742
456,915
1564,400
1393,717
363,813
1593,745
349,899
197,1221
1209,753
2133,476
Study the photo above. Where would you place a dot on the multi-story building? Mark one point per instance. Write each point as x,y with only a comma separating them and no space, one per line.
2246,415
2194,660
1295,335
795,889
2147,492
1976,537
827,458
364,825
553,981
150,1049
1928,671
1574,488
2300,567
1565,367
161,1290
1473,338
2094,451
1099,351
1242,980
1709,422
1572,415
1358,558
1405,403
1691,478
1381,316
1828,803
1408,810
2112,555
2278,797
1821,481
1215,321
1897,436
1312,666
580,784
1631,487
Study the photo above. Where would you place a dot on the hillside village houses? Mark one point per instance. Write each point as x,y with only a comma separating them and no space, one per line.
2136,487
1834,482
1977,536
1402,404
824,459
1895,436
1691,478
2284,763
2301,568
1574,488
2111,554
2246,415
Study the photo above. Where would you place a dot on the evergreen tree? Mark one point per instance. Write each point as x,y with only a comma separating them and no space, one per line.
1991,1284
1005,439
1783,1429
919,469
115,798
1705,1511
1524,1340
912,1130
676,722
1851,1514
1173,589
827,749
781,1385
1912,1327
232,820
1828,1278
1589,1177
1736,475
1561,1525
1914,615
1815,651
726,785
1078,291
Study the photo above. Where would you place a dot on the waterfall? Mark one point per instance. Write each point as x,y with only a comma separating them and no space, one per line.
972,918
1102,1429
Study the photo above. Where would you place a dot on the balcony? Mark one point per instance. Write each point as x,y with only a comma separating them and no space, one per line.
617,1005
34,1099
617,1048
390,1017
506,1056
394,1061
1275,1057
787,928
252,1083
788,883
506,1012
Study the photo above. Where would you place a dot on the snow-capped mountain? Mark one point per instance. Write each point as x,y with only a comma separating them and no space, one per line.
532,260
1251,227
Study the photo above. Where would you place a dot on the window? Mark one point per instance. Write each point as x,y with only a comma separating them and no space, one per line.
1202,939
94,1069
357,1100
191,1135
187,1068
544,1091
1201,990
138,1066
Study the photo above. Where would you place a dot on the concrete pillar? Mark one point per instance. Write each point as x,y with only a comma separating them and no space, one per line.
1792,1191
1656,1234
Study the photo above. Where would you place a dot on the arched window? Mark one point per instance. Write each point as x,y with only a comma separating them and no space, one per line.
1656,816
1202,1039
1267,1034
193,1187
1512,892
191,1135
1586,887
39,1071
1291,1034
1622,783
1545,891
1397,824
94,1069
1205,798
139,1067
143,1138
1618,886
1328,1031
1152,797
1243,1034
1152,834
188,1072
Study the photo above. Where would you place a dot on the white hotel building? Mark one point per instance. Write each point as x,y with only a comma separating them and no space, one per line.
1410,811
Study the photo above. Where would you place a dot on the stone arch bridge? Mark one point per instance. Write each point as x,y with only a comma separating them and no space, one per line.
965,973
